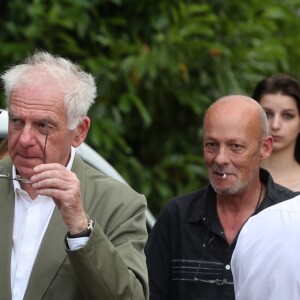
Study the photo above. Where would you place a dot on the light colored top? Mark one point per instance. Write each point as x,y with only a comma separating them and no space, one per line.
266,260
31,219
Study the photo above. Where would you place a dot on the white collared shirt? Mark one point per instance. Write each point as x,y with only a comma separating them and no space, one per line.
265,262
31,220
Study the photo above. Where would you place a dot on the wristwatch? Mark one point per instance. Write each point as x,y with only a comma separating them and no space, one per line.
86,233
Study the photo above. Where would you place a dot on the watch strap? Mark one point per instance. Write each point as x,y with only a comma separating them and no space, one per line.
86,233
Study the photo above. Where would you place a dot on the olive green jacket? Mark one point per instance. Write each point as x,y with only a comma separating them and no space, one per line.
111,265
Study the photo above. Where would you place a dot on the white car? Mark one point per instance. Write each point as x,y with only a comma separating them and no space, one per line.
90,156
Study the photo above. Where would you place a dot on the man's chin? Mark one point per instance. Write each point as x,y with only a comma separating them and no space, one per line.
225,191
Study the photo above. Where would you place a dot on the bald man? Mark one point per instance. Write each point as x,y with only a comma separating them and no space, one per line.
190,247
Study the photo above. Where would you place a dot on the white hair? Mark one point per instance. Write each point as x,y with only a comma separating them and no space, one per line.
78,86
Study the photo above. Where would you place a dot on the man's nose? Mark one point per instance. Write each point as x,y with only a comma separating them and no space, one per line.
27,135
222,156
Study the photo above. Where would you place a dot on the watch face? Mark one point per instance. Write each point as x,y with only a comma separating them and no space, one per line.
91,224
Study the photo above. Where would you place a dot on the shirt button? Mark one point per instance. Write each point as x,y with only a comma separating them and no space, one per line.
227,267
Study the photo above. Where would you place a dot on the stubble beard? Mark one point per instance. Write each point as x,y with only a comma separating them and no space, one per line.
238,187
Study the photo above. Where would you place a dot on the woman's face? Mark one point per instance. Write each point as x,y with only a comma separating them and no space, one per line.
284,119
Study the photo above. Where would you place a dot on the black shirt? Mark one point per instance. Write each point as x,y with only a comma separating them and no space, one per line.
188,256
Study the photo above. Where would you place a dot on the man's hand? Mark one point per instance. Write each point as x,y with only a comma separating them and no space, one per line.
55,181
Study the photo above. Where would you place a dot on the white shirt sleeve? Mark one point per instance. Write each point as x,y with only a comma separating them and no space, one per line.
265,263
77,243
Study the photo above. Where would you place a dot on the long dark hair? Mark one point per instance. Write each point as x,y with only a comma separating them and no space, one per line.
285,85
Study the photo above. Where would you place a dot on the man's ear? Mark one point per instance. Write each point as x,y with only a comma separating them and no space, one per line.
81,131
267,147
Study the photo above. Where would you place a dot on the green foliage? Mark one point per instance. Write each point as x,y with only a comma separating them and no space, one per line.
158,66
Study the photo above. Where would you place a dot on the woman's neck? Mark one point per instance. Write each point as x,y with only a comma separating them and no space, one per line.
280,162
284,169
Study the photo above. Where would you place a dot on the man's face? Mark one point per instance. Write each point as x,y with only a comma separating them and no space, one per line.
232,146
36,111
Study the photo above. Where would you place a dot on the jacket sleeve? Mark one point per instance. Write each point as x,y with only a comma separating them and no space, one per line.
113,266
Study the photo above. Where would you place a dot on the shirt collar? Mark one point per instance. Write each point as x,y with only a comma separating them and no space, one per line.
202,206
206,208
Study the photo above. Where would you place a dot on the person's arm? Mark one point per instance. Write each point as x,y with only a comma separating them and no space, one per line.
112,264
114,267
158,255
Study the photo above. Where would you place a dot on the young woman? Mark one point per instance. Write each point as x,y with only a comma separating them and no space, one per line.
279,95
